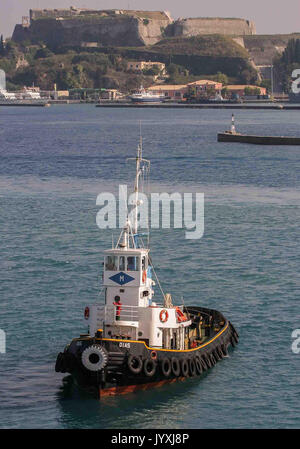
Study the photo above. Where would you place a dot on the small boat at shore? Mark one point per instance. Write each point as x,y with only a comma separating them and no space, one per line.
143,96
134,342
233,136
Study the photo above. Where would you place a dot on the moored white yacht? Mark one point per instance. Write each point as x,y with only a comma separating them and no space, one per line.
144,96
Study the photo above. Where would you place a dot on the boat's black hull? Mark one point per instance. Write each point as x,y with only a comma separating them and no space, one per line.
133,365
258,140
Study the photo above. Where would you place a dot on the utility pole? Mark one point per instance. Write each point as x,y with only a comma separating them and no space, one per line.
272,80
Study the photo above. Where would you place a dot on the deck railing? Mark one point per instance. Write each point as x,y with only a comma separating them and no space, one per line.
121,313
114,314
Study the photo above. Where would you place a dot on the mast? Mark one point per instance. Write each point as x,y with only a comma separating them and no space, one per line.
136,185
140,164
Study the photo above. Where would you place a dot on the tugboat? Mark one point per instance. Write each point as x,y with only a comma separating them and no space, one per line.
134,342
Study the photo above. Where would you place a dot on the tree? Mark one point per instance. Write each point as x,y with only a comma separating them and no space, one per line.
221,78
248,76
224,92
266,83
252,91
176,69
152,71
291,53
210,92
2,48
43,53
286,63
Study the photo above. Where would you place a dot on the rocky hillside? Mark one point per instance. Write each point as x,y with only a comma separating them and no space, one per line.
263,48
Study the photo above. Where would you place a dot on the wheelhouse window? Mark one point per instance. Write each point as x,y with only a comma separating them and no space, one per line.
133,263
122,263
111,263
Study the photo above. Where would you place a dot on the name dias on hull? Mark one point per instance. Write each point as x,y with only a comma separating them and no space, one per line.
134,342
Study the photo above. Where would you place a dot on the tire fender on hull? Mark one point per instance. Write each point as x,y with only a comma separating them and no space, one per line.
166,366
149,367
175,366
135,364
207,361
65,363
192,367
198,365
94,358
184,367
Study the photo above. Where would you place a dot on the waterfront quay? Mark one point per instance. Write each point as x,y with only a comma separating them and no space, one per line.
200,106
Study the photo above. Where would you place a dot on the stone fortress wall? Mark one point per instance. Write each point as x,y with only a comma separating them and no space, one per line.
212,25
73,12
115,27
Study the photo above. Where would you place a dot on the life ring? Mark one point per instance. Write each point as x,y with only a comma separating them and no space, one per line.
163,316
180,315
149,367
144,277
175,366
192,367
87,313
135,364
184,367
166,367
94,358
153,355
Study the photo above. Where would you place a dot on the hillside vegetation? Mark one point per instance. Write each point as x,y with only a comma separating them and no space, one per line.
285,64
199,55
106,67
210,45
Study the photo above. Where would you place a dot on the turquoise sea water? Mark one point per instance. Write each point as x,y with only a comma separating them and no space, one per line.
53,163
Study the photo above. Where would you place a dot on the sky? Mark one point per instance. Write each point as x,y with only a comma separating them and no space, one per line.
270,16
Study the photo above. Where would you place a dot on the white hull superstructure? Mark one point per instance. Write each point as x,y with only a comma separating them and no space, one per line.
143,96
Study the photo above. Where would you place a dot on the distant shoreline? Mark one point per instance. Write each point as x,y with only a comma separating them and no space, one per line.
264,106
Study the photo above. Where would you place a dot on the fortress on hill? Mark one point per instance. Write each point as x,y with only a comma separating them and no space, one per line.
77,26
